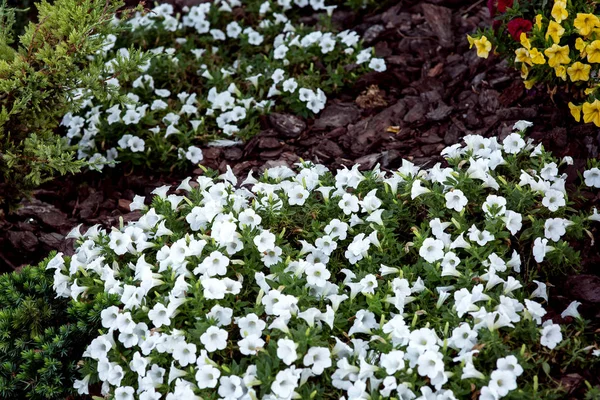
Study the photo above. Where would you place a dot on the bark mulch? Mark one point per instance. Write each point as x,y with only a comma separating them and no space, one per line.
434,92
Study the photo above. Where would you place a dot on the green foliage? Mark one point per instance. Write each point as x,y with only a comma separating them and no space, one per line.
49,73
41,337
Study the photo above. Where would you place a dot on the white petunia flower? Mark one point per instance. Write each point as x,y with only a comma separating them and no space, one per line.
551,335
286,351
432,250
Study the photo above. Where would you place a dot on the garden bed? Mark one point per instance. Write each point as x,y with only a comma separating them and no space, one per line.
434,92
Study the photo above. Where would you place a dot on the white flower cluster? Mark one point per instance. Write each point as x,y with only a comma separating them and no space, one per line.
352,285
236,71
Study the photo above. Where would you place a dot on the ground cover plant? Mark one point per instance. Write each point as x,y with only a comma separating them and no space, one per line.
42,337
38,75
313,284
554,44
216,68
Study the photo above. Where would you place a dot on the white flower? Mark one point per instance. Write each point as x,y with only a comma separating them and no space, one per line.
522,125
349,203
319,358
251,344
99,347
456,200
207,376
119,242
138,364
264,241
417,190
494,205
82,386
553,200
540,249
555,228
185,353
510,364
377,64
109,317
136,144
392,361
194,154
337,229
231,387
592,177
286,351
124,393
285,383
536,310
251,325
297,195
571,310
233,30
430,363
280,52
290,85
502,382
481,237
160,315
214,339
463,337
488,394
551,335
513,143
317,274
513,221
432,250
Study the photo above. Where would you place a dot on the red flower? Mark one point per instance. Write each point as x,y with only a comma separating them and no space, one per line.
498,6
517,26
504,4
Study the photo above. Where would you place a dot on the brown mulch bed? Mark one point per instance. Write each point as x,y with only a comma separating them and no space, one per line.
434,92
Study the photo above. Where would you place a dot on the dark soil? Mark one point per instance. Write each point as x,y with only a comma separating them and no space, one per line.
434,92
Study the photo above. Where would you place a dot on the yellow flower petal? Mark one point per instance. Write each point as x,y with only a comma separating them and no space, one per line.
593,51
525,41
555,31
585,23
538,21
591,112
559,11
579,72
575,111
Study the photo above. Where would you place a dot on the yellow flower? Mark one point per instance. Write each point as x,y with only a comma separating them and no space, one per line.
536,56
523,56
529,84
575,111
557,55
580,45
589,91
559,11
585,23
483,46
471,41
555,31
561,72
593,51
538,21
579,72
591,112
525,41
524,71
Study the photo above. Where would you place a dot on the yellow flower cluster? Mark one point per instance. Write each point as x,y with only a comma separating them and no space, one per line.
569,64
483,45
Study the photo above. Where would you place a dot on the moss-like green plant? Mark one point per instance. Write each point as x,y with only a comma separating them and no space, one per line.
47,74
41,337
